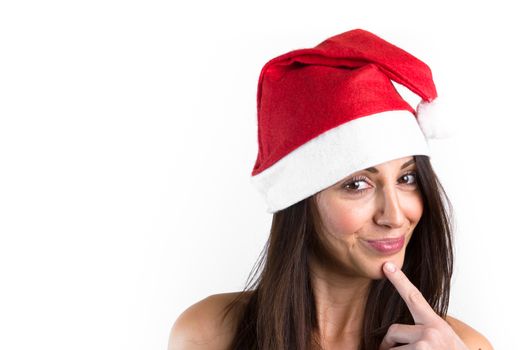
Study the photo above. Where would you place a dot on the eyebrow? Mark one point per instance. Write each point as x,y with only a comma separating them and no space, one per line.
375,171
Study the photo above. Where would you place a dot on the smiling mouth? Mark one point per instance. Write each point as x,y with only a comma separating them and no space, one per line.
387,239
387,245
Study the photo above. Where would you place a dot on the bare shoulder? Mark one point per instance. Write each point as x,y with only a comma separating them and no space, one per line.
471,337
201,326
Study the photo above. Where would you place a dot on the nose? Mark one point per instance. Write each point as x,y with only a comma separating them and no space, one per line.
389,211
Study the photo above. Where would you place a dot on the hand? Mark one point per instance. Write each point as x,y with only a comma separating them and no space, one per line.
430,330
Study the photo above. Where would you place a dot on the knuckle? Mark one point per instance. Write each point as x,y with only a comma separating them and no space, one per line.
393,329
421,345
401,277
415,296
431,333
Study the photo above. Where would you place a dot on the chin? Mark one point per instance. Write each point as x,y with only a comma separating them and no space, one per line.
377,273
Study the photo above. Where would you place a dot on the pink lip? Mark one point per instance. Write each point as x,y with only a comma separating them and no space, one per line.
388,246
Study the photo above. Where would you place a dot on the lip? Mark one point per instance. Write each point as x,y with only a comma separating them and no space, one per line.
387,245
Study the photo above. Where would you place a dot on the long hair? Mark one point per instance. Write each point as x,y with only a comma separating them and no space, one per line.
278,307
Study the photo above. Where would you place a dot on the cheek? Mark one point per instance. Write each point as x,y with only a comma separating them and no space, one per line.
414,208
342,220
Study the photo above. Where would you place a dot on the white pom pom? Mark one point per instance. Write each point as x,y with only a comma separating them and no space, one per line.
433,120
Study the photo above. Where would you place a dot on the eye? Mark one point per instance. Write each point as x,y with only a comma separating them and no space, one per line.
351,184
407,177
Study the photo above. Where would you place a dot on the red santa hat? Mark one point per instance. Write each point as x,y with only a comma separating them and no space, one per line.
331,110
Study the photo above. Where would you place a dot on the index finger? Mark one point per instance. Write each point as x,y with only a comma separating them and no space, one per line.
420,309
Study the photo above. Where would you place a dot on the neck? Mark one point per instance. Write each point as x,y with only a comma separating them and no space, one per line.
340,303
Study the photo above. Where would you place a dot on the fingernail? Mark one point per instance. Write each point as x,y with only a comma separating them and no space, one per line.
390,267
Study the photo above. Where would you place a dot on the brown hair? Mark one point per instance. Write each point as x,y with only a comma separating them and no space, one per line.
279,311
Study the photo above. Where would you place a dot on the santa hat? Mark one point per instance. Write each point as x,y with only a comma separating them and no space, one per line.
331,110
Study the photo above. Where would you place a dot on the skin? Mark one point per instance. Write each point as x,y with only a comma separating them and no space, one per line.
429,332
390,205
387,203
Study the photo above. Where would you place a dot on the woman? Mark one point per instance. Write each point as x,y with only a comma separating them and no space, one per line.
360,249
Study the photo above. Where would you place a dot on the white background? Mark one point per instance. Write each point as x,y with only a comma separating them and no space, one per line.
128,135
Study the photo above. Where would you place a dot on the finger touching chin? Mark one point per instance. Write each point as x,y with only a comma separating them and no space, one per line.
396,260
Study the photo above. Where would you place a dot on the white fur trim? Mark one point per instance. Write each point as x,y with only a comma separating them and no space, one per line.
432,120
337,153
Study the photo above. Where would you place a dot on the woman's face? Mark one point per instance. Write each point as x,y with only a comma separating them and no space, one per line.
369,216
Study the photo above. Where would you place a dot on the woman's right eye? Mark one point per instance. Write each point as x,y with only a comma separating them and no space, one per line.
353,185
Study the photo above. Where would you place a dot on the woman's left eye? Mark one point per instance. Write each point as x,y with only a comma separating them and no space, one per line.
413,174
